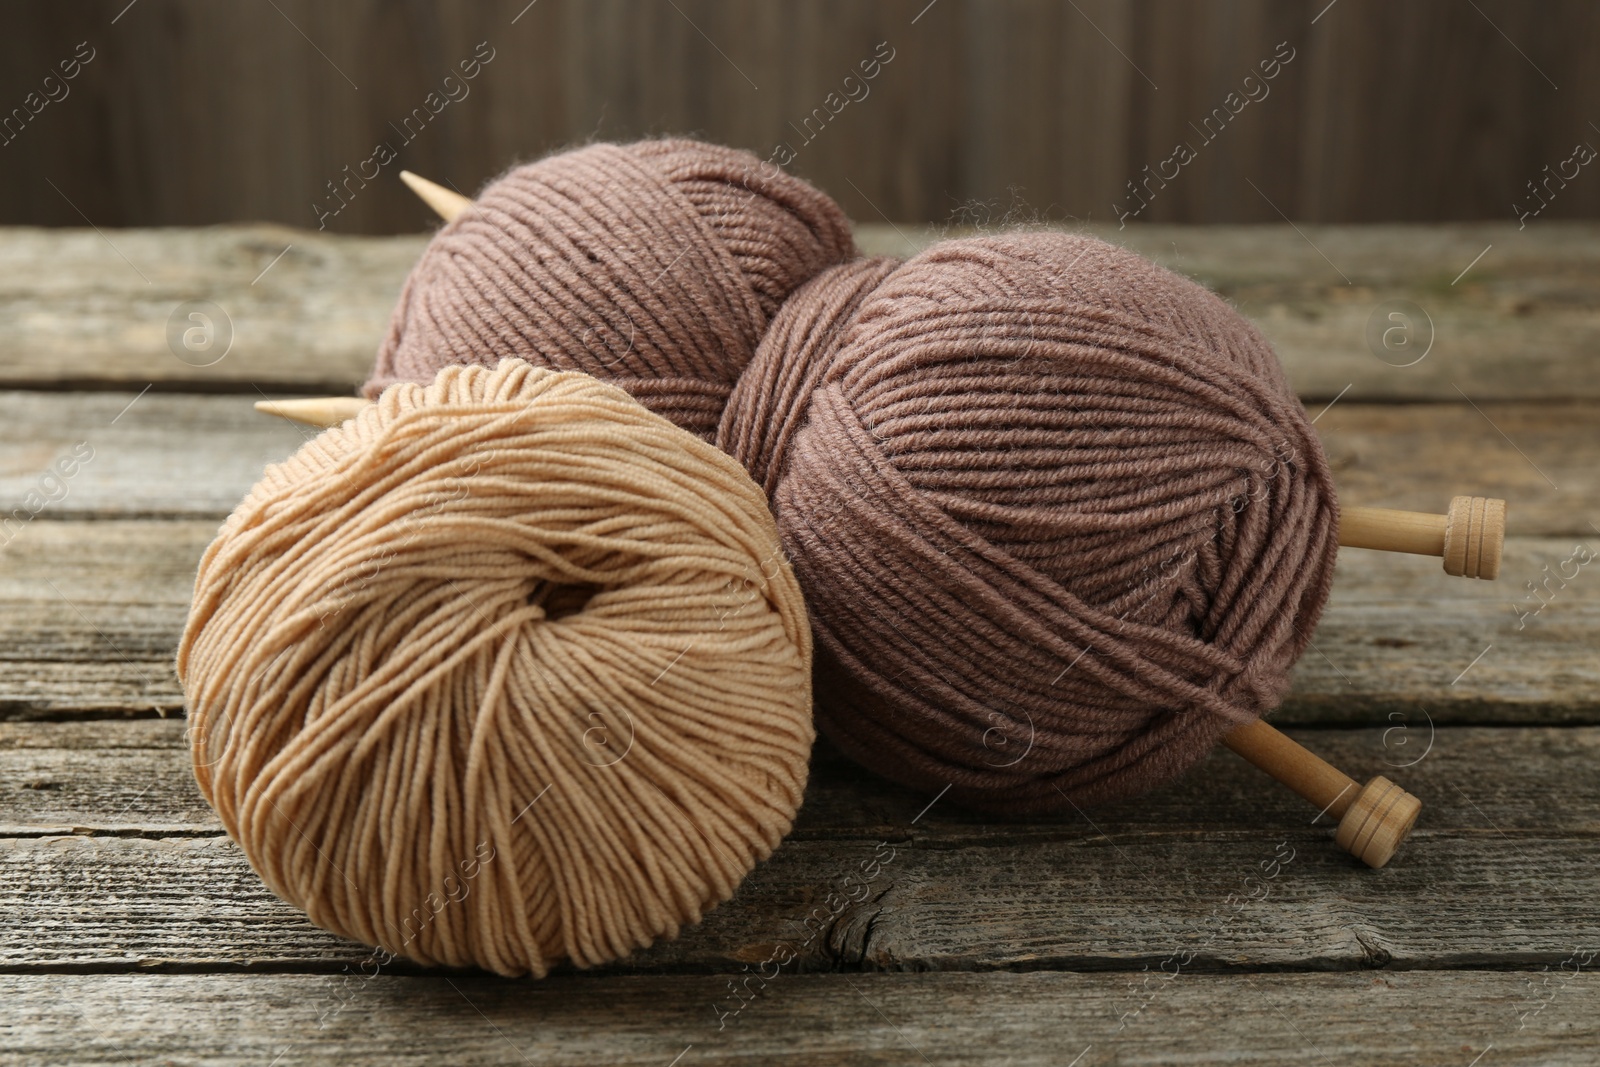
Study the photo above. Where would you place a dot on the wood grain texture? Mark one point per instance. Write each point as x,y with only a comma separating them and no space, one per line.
1076,159
1539,458
99,312
1253,140
1368,64
133,778
154,455
959,1019
1190,869
1523,323
1072,902
1426,111
1399,638
131,929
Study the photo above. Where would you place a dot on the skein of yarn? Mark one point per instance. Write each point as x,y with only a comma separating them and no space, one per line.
505,671
1060,521
656,266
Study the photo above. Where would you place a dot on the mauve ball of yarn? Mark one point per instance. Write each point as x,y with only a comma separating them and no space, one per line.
505,671
1059,519
654,265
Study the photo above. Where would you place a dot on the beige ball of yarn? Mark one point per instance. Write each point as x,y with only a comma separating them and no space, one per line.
506,670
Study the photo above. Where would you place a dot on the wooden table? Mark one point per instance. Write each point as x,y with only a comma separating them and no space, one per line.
132,929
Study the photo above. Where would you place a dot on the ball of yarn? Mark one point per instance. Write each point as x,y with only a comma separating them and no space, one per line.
505,671
1059,519
656,266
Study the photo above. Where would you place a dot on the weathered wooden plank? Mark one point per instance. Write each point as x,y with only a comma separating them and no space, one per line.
1539,458
196,456
1401,640
1208,186
132,455
1088,1020
1521,324
1188,867
134,778
1078,902
106,777
73,310
90,613
112,687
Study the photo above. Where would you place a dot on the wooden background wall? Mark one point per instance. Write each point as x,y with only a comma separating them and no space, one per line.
202,111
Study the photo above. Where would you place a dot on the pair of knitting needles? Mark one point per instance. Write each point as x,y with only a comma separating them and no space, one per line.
1373,818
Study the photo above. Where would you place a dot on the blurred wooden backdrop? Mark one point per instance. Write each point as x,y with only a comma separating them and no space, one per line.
201,111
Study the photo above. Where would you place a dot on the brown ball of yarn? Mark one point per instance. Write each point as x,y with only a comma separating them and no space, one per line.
654,265
1059,519
506,670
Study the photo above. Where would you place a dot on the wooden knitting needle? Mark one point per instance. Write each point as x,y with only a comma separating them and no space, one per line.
1470,536
1373,818
446,203
322,411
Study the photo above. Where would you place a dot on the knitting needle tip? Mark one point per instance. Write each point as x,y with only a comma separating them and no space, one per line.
447,203
315,411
